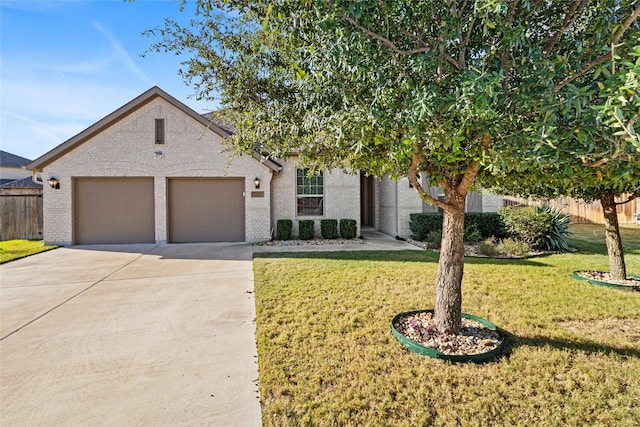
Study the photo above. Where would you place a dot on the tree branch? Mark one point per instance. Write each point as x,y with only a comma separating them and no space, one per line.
566,23
474,167
631,197
383,40
412,175
604,57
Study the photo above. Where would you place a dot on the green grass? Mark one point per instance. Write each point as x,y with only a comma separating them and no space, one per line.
15,249
327,356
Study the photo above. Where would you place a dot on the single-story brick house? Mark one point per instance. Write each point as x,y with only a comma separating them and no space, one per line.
156,171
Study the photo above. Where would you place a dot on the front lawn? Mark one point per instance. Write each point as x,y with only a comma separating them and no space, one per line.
327,356
15,249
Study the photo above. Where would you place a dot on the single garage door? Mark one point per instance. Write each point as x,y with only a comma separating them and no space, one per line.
206,210
113,210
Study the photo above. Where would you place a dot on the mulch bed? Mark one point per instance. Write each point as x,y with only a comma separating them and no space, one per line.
604,276
473,337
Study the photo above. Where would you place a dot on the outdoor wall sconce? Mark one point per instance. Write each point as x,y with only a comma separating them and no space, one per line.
54,183
257,182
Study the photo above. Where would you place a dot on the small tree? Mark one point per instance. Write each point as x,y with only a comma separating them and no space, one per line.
587,146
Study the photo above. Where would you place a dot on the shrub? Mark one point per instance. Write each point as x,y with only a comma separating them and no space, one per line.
421,224
556,237
434,239
329,228
487,224
513,247
489,247
471,233
527,224
283,229
348,228
540,227
306,229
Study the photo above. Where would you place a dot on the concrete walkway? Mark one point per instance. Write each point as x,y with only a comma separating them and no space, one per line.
129,335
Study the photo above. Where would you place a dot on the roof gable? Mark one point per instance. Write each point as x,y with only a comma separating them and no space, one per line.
115,116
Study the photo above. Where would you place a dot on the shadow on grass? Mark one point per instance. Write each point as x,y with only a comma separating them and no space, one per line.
587,347
396,256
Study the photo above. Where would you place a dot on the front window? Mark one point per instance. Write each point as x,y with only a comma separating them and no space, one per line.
309,193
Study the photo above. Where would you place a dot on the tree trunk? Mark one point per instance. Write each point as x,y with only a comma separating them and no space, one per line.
448,306
617,268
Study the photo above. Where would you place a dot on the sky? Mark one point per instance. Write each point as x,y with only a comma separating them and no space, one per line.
65,64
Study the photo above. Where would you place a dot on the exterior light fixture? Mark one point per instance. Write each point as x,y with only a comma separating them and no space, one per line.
54,183
257,182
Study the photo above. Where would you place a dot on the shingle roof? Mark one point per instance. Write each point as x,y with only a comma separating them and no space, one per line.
22,183
220,119
11,160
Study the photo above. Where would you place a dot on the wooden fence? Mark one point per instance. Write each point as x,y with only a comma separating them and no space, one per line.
581,212
21,217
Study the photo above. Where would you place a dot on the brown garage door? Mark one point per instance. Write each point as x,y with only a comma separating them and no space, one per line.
113,210
206,210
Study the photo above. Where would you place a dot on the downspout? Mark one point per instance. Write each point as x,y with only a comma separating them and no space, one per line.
34,177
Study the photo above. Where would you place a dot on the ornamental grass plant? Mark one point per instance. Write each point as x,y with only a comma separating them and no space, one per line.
327,356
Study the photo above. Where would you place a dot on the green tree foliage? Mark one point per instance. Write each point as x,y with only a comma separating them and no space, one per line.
587,146
444,88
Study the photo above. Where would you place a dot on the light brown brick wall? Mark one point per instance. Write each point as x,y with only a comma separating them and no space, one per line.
127,148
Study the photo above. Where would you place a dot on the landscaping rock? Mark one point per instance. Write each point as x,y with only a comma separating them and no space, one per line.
473,337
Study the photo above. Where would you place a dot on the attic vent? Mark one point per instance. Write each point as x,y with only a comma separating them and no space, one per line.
159,131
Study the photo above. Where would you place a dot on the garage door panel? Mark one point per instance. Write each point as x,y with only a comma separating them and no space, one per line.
206,210
113,210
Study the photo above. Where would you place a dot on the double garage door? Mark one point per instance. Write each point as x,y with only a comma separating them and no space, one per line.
121,210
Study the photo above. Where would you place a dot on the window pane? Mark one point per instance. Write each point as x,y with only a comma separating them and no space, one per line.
309,185
309,206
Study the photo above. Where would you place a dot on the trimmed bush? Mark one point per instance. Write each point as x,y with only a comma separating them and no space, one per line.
486,224
283,229
306,229
471,233
421,224
329,228
348,228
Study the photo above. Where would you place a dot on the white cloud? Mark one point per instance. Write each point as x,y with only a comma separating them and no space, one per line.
121,53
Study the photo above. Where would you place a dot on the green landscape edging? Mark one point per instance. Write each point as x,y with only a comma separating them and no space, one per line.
576,275
435,354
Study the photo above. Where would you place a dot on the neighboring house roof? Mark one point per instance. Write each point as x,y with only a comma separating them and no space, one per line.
11,160
221,118
22,183
151,94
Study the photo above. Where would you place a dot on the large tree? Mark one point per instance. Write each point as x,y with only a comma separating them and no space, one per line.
400,87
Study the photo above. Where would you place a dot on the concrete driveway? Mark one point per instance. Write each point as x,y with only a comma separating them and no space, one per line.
129,335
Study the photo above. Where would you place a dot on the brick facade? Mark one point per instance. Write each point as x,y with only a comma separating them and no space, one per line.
127,149
341,197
